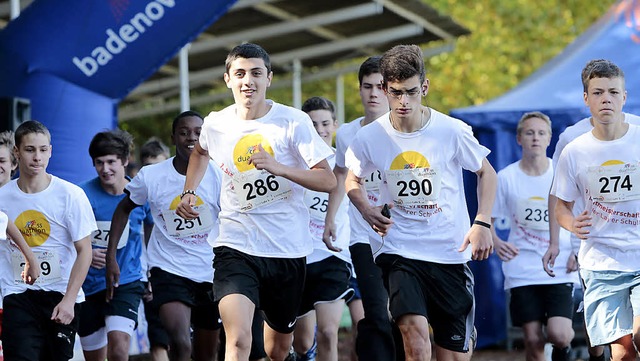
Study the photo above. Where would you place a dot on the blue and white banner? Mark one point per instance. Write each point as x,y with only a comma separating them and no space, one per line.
76,59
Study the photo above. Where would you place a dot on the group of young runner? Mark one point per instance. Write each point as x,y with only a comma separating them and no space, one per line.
260,228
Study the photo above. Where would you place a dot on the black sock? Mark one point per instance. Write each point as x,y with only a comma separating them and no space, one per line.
597,358
560,354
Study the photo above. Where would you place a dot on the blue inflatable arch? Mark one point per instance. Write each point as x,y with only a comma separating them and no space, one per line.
75,60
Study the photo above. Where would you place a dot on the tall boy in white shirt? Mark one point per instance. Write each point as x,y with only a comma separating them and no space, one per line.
421,153
268,153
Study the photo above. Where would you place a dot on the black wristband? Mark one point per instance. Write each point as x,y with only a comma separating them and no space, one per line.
188,191
481,223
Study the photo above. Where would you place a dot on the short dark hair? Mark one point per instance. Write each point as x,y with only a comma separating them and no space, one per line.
186,113
401,63
248,51
153,148
319,103
370,66
600,68
30,127
111,142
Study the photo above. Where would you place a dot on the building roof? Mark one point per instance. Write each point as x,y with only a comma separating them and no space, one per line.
317,34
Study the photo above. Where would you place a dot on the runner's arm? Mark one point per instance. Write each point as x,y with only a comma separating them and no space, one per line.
335,199
64,311
198,163
118,224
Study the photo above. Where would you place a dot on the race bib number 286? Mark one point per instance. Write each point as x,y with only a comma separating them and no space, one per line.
256,188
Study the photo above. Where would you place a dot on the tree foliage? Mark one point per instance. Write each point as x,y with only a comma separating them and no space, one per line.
509,40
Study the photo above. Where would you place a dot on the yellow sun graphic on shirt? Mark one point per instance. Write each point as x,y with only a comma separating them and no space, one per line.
613,162
247,146
176,201
34,226
536,198
409,160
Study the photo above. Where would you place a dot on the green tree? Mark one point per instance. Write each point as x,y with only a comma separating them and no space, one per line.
509,40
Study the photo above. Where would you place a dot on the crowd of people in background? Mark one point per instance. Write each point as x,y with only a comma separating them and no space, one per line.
251,239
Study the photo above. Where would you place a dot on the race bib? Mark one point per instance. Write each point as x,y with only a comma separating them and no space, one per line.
180,227
410,187
49,264
317,202
533,214
257,188
372,182
614,183
100,237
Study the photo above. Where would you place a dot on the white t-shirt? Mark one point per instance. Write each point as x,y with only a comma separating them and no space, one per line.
263,215
317,203
598,172
360,229
571,133
51,221
523,200
3,239
177,246
4,222
423,177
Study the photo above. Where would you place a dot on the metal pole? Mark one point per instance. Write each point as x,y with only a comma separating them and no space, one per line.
340,99
297,83
184,78
15,9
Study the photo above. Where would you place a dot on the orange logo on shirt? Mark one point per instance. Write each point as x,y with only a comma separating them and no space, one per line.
176,201
409,160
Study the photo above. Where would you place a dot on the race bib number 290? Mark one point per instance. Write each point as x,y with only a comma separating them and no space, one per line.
418,186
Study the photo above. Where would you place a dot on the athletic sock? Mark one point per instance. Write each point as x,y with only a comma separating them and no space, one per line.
561,354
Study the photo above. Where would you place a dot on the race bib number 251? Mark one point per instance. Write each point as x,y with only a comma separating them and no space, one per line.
180,227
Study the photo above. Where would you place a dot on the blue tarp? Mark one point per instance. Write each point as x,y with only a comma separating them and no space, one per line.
76,59
556,90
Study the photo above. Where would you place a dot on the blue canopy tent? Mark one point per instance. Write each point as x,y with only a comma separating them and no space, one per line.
76,60
556,90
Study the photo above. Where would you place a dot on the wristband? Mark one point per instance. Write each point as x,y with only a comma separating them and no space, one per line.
188,191
481,223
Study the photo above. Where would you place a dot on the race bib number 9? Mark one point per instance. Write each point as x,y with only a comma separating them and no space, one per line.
418,186
533,214
100,237
180,227
256,188
48,262
317,202
614,183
